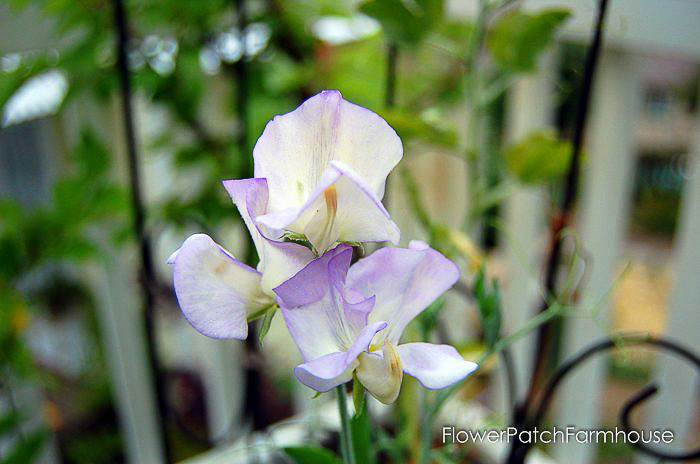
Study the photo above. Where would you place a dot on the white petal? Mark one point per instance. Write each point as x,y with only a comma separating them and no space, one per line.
297,147
250,197
281,260
296,219
435,366
368,145
404,281
309,307
215,291
278,260
342,208
335,369
325,373
361,217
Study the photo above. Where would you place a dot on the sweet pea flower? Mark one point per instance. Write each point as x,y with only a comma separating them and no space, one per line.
319,175
216,292
326,165
349,319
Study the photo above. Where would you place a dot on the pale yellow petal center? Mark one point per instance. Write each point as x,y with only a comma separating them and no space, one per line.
319,231
382,374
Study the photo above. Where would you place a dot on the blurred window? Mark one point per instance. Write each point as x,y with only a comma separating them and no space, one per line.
656,103
25,162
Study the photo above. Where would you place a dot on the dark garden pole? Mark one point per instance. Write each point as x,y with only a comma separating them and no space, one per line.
254,404
241,76
392,59
562,220
147,272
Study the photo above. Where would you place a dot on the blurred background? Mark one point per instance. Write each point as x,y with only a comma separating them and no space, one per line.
97,364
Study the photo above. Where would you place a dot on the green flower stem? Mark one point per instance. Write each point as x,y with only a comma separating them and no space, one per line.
346,447
430,409
426,428
476,117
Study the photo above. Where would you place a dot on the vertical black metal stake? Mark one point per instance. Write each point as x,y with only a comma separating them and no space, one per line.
392,59
139,214
254,404
544,335
241,73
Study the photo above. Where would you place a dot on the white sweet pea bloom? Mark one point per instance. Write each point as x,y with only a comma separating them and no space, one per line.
326,164
319,171
348,320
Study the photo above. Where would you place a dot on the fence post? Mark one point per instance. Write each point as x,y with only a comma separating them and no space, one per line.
222,374
675,405
530,108
116,293
603,217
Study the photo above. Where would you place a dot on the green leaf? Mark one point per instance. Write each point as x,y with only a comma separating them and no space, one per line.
91,154
407,125
489,303
27,450
261,312
434,10
8,422
360,426
405,22
354,69
257,315
74,248
299,239
310,455
265,324
13,255
539,158
518,38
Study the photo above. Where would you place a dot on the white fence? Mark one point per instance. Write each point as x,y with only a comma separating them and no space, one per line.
633,28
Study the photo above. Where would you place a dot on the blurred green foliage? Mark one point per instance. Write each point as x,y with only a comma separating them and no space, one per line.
60,231
361,429
44,240
404,22
629,371
518,38
538,158
656,211
183,67
310,455
488,298
26,447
